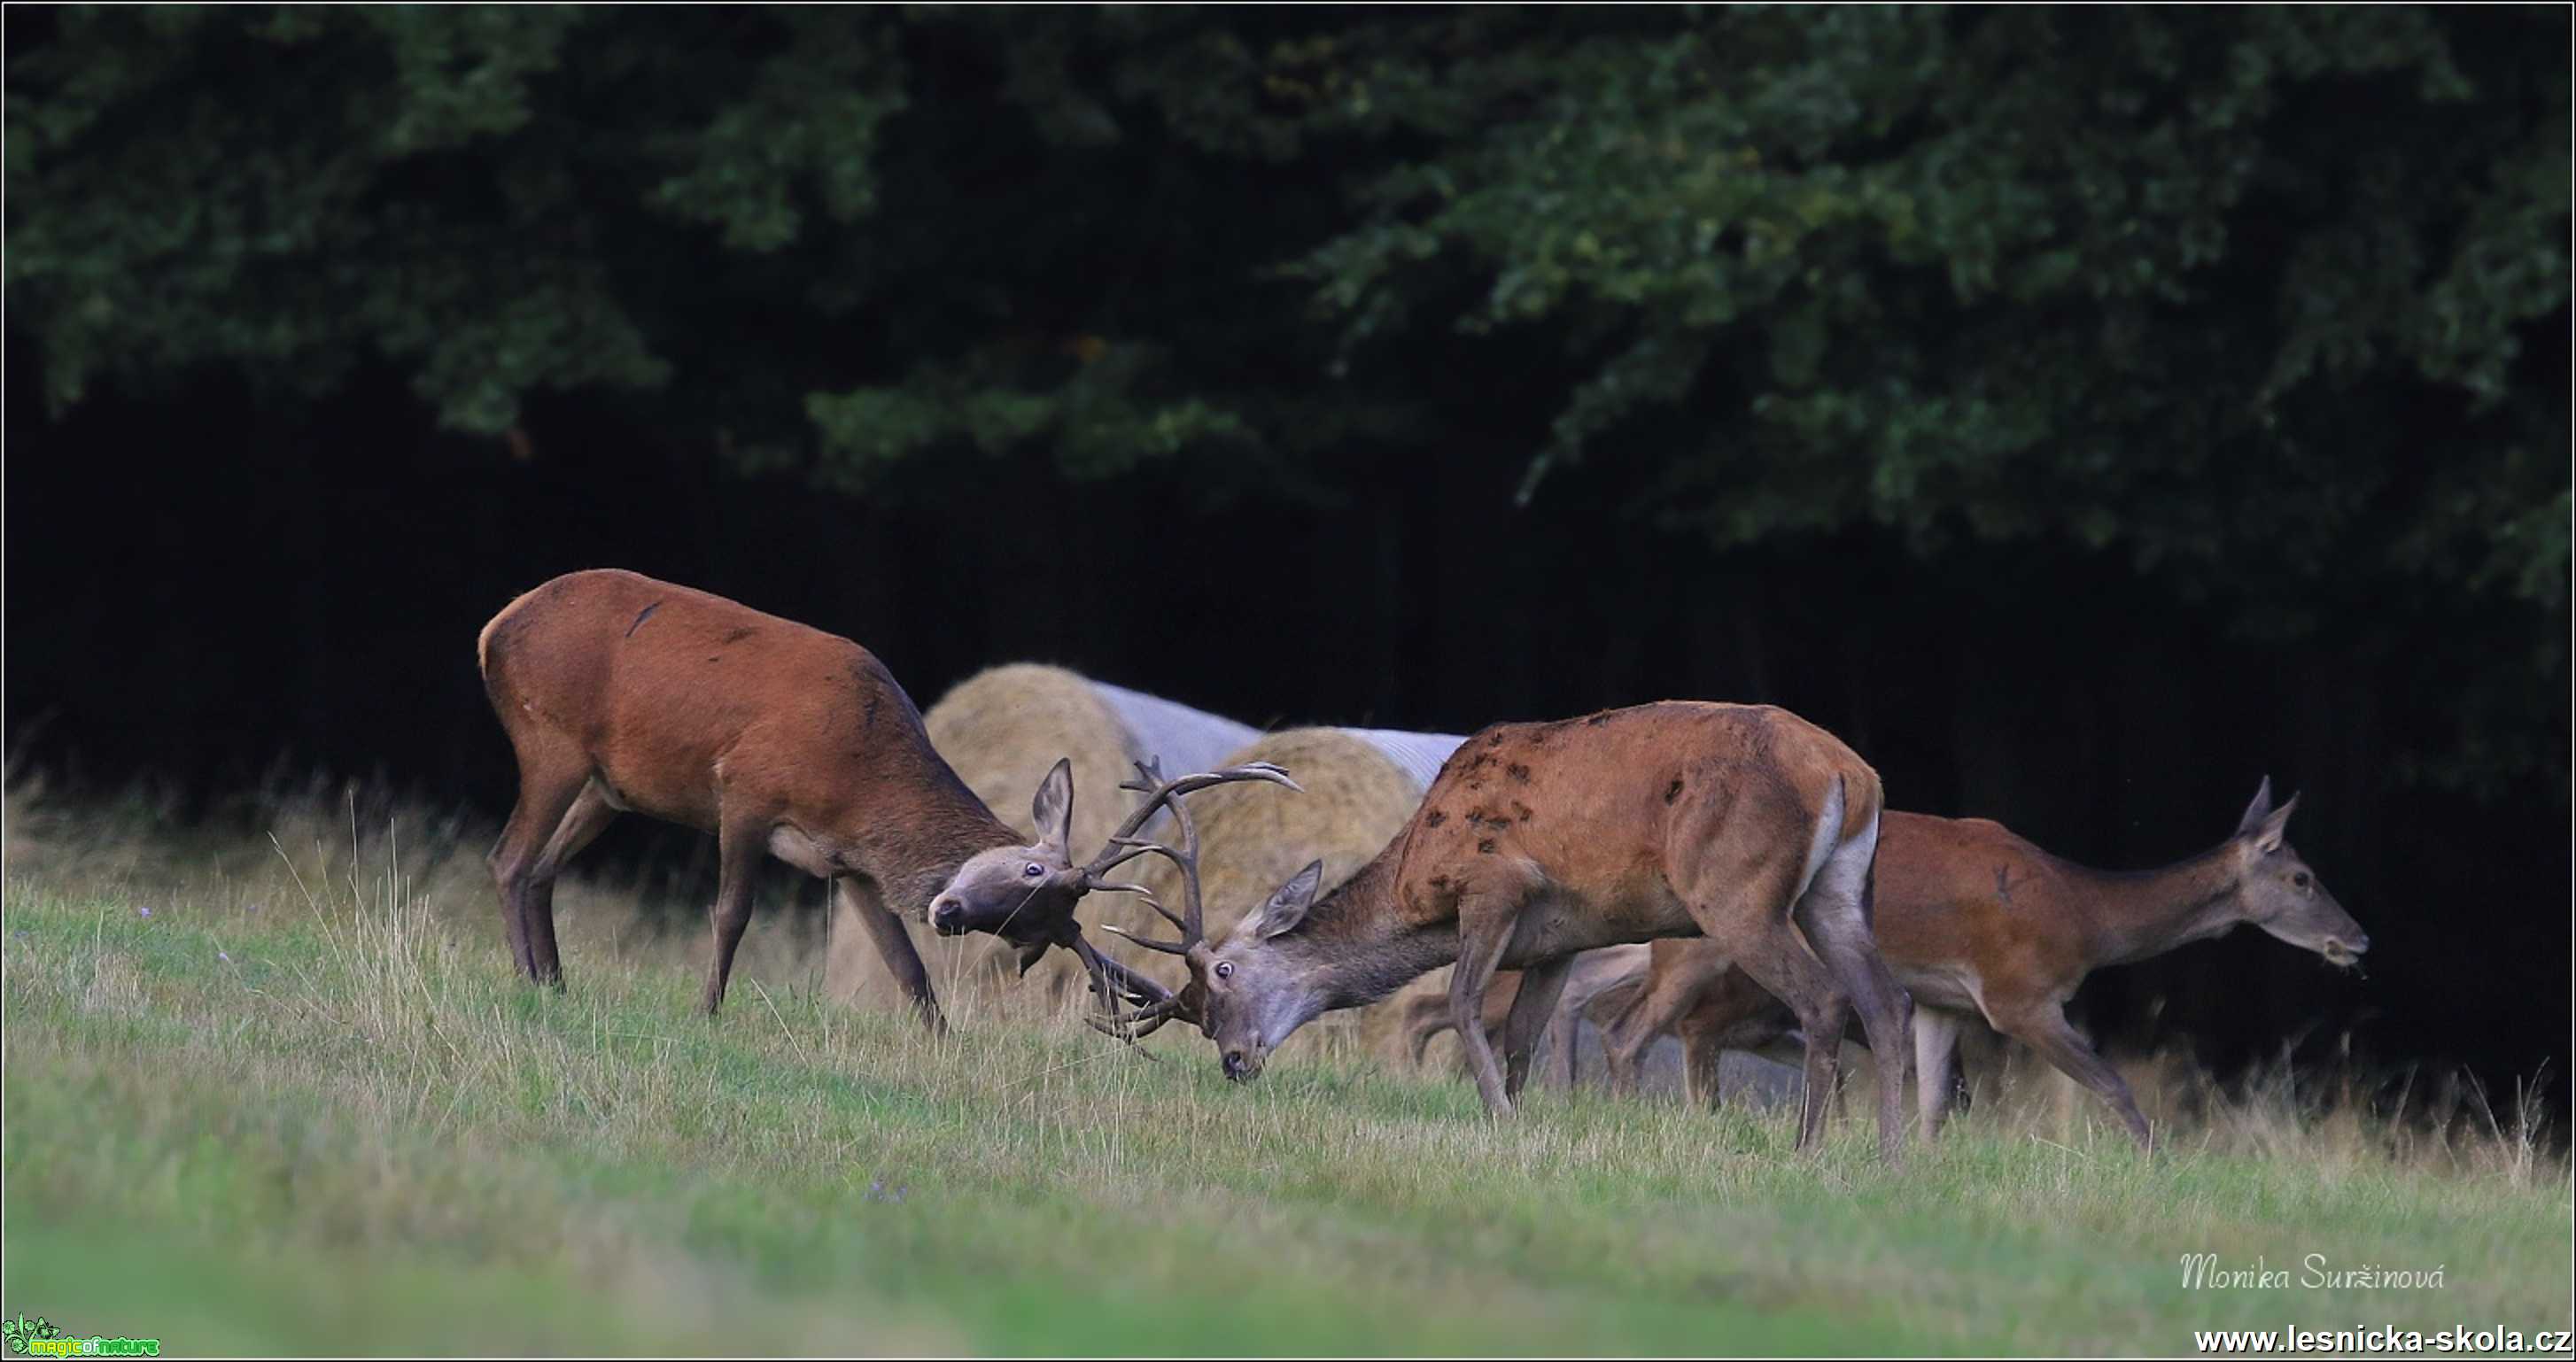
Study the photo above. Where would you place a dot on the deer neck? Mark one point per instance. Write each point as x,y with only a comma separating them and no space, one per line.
2145,913
1355,947
919,827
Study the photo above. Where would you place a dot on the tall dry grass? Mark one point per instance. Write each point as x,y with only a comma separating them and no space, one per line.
296,846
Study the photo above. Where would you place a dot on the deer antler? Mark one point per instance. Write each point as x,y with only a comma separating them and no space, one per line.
1125,846
1156,1005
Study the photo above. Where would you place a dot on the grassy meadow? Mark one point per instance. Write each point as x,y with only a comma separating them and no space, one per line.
284,1093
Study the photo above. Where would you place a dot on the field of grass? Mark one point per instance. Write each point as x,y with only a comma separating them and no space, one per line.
290,1097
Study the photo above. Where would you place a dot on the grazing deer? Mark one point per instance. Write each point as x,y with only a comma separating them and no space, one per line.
620,693
1974,920
1538,841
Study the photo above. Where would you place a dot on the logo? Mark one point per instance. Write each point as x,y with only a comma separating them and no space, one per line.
23,1331
39,1337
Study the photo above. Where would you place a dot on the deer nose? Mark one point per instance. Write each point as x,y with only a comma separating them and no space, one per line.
944,914
1234,1065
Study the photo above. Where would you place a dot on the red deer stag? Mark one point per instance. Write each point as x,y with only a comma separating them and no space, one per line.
1976,921
1538,841
622,693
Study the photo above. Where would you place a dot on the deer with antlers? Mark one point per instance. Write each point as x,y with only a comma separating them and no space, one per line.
1975,921
619,692
1743,823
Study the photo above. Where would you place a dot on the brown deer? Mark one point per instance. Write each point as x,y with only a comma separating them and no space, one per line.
1976,921
621,693
1541,840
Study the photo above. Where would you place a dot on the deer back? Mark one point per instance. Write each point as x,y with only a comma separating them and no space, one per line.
673,694
1616,805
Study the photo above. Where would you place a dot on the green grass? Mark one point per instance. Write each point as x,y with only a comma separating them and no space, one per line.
255,1121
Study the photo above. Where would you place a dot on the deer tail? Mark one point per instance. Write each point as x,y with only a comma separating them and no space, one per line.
1827,837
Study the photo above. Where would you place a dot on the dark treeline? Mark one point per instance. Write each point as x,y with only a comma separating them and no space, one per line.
2083,414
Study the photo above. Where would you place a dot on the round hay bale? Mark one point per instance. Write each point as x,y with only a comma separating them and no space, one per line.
1361,786
1002,729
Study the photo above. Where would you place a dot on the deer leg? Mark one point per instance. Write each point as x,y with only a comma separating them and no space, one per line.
1658,1008
589,816
1425,1017
1963,1075
1699,1058
1842,1094
1480,950
1834,915
1780,965
1936,1053
1596,1008
1733,1013
2044,1029
1593,993
894,946
1540,986
1566,1025
549,785
1563,1067
738,852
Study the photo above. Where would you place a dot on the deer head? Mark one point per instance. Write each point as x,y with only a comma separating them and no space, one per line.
1247,992
1027,894
2281,895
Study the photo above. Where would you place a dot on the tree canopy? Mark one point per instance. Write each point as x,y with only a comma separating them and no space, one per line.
2244,295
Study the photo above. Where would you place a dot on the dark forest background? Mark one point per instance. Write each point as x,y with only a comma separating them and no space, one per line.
2084,413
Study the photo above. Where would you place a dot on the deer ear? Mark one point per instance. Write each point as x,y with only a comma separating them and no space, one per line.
1052,810
2257,811
1288,906
2276,826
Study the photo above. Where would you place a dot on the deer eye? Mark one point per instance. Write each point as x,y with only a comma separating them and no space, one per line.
1032,870
2301,879
1225,969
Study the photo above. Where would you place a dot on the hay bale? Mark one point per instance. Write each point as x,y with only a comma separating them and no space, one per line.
1001,729
1361,786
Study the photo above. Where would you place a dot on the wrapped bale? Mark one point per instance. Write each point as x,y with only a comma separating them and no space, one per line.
1002,729
1361,786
